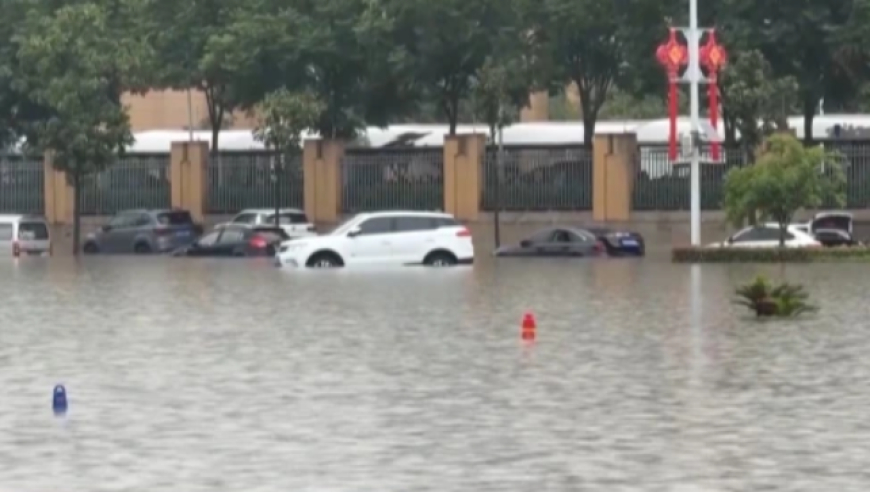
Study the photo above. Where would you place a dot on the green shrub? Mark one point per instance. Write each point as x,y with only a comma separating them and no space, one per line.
766,299
770,255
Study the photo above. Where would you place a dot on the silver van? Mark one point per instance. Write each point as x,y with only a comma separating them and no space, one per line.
24,235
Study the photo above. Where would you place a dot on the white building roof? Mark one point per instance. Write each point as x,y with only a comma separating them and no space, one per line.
544,133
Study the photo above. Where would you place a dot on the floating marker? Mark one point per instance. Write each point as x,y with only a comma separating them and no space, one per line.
59,403
529,327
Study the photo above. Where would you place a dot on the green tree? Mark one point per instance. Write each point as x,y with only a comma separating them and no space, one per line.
283,117
587,42
17,109
757,102
341,51
444,44
499,90
788,177
185,59
75,63
811,41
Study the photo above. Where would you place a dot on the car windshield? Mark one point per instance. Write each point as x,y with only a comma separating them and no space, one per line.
344,227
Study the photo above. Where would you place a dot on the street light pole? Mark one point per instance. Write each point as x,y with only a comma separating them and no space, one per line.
498,165
693,38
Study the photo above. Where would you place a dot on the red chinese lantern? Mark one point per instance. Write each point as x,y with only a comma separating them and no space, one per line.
673,56
713,58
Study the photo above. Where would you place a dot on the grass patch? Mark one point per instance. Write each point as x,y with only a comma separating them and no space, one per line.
853,254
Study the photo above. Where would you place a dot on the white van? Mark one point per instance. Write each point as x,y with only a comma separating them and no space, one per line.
22,235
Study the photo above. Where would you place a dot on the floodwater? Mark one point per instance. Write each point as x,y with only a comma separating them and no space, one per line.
212,375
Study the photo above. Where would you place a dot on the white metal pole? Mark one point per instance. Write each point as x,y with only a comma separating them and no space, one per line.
693,39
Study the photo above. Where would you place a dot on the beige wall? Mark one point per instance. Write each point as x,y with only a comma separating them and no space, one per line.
539,104
167,110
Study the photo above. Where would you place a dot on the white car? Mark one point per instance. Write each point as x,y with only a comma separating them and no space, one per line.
384,238
767,236
294,221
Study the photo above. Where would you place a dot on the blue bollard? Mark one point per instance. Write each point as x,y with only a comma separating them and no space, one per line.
59,403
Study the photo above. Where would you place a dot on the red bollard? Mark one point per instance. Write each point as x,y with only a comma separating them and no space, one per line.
529,327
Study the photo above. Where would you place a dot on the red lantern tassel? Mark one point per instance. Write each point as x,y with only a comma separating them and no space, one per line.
672,115
714,115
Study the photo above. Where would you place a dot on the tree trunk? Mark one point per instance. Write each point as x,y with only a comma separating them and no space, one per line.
782,232
810,104
451,110
216,113
77,216
590,105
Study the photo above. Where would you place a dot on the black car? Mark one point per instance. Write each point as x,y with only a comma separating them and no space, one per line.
831,229
620,243
237,241
556,241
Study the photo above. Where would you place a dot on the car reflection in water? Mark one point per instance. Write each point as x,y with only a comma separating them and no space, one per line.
572,241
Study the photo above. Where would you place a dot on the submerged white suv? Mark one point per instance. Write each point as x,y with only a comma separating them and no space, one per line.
384,238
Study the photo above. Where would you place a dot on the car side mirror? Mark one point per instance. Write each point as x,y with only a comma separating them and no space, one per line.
354,232
106,228
730,240
525,243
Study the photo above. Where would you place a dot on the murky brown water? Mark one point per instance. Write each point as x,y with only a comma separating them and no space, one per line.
233,376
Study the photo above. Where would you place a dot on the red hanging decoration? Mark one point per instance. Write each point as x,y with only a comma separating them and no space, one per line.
673,56
713,58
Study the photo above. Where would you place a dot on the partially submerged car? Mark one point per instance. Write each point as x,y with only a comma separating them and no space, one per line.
575,241
831,228
620,243
767,236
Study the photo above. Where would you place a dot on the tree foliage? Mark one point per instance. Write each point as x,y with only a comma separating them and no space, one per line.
758,103
74,63
808,41
788,177
443,45
588,42
499,91
283,117
189,55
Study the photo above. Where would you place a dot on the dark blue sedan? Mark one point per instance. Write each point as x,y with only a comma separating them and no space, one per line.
574,241
620,243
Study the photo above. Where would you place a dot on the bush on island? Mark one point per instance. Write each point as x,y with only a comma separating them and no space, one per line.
770,255
765,299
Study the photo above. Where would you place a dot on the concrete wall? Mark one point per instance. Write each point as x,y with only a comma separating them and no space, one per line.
168,110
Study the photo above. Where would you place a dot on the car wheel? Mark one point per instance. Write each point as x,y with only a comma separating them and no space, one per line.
440,259
142,248
324,260
91,248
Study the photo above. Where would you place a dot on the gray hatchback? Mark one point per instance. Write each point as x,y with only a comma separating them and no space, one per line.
144,231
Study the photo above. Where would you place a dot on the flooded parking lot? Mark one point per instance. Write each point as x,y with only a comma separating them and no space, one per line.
231,375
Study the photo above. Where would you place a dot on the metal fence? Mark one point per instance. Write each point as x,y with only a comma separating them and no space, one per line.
135,181
239,180
856,167
538,178
406,179
664,185
22,184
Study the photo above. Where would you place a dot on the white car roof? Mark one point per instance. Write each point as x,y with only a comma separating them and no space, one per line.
405,213
270,211
7,218
774,225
